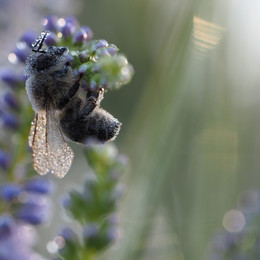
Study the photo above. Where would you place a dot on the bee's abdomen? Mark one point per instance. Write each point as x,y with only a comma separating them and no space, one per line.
99,124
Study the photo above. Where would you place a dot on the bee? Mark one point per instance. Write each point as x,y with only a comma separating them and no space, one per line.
61,111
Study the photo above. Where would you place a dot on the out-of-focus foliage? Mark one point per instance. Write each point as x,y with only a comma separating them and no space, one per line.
194,128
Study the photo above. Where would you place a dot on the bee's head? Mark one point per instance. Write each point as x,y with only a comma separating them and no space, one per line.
47,60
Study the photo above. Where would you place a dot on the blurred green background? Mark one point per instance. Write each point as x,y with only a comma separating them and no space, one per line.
191,120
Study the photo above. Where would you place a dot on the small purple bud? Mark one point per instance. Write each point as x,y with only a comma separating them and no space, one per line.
33,213
83,68
68,234
21,51
6,226
11,100
72,20
80,36
10,191
99,44
114,219
5,159
51,39
117,193
104,83
84,56
75,73
102,52
10,120
39,185
66,202
88,31
69,59
29,38
67,30
112,49
8,76
96,68
113,234
94,86
90,231
50,23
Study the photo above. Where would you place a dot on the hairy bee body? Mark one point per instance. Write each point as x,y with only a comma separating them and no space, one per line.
48,81
61,110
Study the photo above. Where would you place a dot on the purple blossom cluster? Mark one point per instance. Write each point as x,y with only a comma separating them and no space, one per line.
17,240
29,202
241,238
22,207
94,207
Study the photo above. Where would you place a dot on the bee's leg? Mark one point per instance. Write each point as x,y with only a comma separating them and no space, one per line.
93,100
73,90
99,95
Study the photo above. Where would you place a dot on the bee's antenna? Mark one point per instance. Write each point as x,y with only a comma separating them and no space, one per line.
37,45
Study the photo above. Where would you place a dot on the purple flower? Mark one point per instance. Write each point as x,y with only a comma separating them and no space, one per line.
50,23
51,39
16,240
8,76
113,234
99,44
39,185
22,51
84,56
5,159
28,37
72,20
80,36
112,49
69,27
88,31
102,52
33,213
65,202
83,68
10,120
68,234
10,191
35,209
94,86
6,226
69,59
11,100
90,231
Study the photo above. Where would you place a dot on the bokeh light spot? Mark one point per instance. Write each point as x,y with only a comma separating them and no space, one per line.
61,22
12,58
234,221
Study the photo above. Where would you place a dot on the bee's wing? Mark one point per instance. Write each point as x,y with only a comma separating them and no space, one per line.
49,150
37,140
60,155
